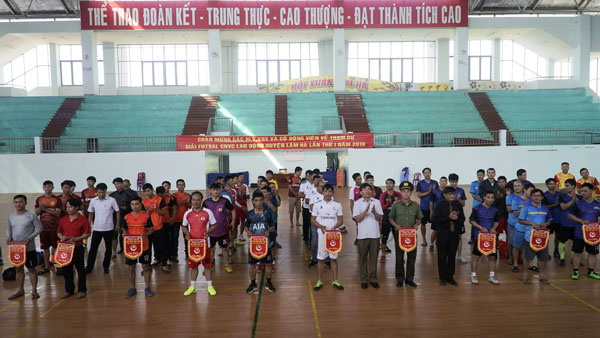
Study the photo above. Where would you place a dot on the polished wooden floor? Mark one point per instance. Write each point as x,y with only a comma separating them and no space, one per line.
564,309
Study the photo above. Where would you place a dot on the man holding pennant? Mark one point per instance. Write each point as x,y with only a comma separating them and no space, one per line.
73,228
405,216
585,212
198,222
138,226
258,225
327,218
23,227
484,219
536,217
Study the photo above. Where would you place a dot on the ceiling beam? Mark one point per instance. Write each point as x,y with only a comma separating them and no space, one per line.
14,9
66,6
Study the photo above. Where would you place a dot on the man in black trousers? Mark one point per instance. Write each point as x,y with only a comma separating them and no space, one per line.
449,218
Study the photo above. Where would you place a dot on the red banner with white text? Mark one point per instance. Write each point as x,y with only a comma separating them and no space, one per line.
326,14
276,142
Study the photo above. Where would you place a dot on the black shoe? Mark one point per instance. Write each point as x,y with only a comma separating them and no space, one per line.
312,264
356,241
442,282
556,254
411,283
375,285
120,251
106,271
60,272
364,285
399,284
328,264
388,250
175,259
470,241
251,288
269,286
88,271
452,281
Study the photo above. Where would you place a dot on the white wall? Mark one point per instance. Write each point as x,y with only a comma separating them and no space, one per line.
25,173
256,162
541,162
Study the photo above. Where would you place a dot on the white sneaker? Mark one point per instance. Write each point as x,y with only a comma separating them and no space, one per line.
493,280
461,259
474,279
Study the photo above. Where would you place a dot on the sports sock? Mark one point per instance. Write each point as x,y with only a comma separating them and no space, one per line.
492,273
209,282
473,273
193,284
561,250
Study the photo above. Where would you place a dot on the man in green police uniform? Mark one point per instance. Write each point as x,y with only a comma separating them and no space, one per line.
405,213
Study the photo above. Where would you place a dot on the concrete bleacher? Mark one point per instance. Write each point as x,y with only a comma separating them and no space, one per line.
252,114
24,117
558,109
126,116
306,110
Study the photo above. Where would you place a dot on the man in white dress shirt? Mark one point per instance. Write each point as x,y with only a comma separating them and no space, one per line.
101,211
367,212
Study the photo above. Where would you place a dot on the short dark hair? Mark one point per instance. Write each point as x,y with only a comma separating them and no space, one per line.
528,185
219,178
127,180
160,189
267,188
567,163
502,178
65,182
491,169
214,186
582,169
521,172
308,172
48,182
136,198
481,171
535,191
91,178
328,186
489,192
316,176
257,194
443,178
316,170
20,196
453,177
147,186
197,193
365,185
368,177
72,183
449,190
102,186
550,180
588,185
118,180
74,202
366,173
167,182
426,168
180,180
391,180
269,172
298,169
355,175
571,182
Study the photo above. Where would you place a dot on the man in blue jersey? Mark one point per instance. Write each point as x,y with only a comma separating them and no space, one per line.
551,201
535,215
585,211
567,226
425,188
259,221
484,218
461,197
518,202
474,191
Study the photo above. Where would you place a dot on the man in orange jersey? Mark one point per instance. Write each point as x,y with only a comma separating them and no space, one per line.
294,203
67,187
563,175
183,204
586,178
199,222
155,207
139,223
88,193
169,218
48,207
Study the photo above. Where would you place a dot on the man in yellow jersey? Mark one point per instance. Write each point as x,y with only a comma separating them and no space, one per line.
563,175
586,178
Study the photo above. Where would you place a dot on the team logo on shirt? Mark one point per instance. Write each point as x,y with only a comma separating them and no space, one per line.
220,209
52,203
203,218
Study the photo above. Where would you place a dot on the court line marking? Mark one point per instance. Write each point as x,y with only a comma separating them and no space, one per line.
12,303
314,308
576,298
30,324
260,287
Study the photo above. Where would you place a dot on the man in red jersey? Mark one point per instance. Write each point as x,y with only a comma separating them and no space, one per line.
88,193
294,203
241,208
48,207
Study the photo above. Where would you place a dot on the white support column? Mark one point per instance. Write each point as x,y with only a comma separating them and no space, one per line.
461,58
550,68
214,60
496,43
54,69
339,60
111,72
443,61
89,51
581,52
503,136
37,145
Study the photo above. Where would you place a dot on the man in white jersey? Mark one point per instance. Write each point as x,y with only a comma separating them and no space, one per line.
326,215
305,192
315,197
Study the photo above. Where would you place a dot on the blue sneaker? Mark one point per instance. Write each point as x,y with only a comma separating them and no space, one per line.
131,292
148,292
